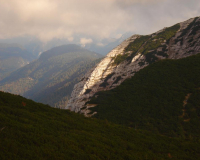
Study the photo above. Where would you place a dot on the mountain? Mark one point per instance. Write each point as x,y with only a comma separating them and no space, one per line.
135,53
162,98
12,57
35,46
30,130
51,78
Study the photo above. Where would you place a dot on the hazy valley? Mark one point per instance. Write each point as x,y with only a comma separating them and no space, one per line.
50,79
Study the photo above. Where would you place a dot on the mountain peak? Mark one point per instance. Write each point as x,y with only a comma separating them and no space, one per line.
133,54
63,49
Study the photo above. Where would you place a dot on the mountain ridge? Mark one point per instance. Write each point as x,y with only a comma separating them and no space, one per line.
135,53
13,57
63,49
44,79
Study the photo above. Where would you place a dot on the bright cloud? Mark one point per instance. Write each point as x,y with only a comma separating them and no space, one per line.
85,41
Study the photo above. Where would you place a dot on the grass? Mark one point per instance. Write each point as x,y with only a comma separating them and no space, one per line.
119,58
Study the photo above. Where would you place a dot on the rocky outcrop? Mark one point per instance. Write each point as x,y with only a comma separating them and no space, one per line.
135,53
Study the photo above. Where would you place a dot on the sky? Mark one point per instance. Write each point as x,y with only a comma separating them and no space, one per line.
90,20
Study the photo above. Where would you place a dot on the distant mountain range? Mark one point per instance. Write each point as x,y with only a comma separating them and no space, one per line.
51,78
12,57
35,46
107,44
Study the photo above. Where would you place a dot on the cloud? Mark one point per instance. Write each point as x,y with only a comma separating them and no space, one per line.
94,19
132,2
85,41
70,39
100,44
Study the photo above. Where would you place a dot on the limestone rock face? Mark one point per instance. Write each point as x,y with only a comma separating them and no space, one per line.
135,53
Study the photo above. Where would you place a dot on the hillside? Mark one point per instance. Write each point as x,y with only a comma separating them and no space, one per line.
162,98
30,130
135,53
51,78
12,57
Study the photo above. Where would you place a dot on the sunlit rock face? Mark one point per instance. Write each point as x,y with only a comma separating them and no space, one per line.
135,53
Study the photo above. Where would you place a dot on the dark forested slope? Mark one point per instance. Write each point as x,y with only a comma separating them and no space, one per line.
30,130
163,98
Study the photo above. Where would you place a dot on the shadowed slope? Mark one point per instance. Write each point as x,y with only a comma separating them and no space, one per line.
30,130
154,99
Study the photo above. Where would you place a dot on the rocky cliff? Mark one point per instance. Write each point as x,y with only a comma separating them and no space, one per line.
135,53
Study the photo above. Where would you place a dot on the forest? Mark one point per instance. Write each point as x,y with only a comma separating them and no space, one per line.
30,130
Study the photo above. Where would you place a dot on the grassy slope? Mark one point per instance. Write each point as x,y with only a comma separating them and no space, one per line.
153,99
30,130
